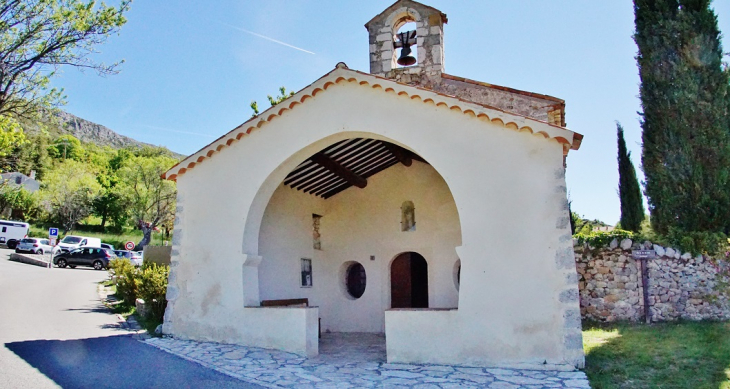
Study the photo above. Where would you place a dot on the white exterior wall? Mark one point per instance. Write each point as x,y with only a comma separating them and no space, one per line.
357,224
518,295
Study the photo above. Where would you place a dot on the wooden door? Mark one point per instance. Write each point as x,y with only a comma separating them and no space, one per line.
400,281
409,281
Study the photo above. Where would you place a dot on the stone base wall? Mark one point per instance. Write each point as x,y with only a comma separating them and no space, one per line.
160,255
680,286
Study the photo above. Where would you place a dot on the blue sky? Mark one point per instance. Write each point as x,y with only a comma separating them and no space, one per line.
192,68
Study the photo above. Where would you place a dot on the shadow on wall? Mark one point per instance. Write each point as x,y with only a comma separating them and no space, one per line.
115,362
671,355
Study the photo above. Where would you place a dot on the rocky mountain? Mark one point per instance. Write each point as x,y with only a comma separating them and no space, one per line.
86,131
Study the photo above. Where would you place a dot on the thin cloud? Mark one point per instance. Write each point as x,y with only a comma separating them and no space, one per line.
267,38
178,131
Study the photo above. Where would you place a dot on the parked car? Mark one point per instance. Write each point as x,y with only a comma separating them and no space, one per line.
95,257
133,256
12,232
70,242
107,246
34,245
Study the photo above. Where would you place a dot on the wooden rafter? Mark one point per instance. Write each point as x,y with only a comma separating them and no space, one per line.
339,170
402,155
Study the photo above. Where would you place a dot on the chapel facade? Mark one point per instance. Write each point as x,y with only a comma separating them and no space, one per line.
404,201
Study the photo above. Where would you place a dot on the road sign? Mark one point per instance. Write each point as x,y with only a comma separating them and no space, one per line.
643,254
129,245
53,241
53,232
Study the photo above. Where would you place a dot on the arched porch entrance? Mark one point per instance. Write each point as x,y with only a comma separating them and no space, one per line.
409,281
335,220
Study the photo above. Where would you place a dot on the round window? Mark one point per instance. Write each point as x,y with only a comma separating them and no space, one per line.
355,280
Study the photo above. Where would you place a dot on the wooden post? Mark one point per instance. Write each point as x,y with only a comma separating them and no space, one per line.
645,289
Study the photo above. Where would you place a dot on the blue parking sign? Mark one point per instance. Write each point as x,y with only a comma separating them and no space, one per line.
53,232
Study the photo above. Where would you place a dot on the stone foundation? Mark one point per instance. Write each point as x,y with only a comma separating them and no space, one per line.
679,286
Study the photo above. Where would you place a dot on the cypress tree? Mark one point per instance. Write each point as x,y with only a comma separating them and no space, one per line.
632,208
686,153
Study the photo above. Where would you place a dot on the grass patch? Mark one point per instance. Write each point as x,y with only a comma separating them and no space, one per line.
668,355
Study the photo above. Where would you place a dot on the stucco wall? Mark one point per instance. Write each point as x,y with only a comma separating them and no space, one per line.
357,224
518,300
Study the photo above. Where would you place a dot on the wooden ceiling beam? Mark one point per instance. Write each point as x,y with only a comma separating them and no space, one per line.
339,170
402,155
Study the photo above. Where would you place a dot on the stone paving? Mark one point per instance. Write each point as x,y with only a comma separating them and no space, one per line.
355,361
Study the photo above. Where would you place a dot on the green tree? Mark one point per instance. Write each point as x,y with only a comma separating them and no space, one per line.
11,134
113,201
68,192
32,155
152,199
283,95
39,36
686,137
66,146
632,207
17,202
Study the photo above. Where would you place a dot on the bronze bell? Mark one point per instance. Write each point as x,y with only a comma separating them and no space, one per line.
405,58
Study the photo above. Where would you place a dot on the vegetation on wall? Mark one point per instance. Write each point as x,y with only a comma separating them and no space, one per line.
684,96
632,207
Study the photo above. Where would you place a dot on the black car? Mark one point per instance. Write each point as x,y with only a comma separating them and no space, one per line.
95,257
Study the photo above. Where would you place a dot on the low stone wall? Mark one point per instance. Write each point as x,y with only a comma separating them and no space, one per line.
158,254
30,259
679,286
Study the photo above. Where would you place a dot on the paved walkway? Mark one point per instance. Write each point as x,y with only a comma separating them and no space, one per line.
355,361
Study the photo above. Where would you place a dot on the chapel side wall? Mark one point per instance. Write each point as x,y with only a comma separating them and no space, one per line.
356,224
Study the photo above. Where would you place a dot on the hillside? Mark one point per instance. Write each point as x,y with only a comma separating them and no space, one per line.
87,131
64,123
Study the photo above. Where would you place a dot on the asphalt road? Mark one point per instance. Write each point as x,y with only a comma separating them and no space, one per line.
55,333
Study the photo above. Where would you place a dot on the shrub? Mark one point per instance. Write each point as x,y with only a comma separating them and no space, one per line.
126,279
153,288
698,242
600,239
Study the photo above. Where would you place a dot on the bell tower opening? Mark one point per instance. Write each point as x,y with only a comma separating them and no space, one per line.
405,37
408,26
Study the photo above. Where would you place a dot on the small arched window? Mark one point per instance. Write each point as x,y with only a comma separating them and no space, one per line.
408,216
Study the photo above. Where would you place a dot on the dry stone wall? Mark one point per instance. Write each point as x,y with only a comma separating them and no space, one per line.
680,286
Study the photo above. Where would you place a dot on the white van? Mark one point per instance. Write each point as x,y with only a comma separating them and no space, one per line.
71,242
12,232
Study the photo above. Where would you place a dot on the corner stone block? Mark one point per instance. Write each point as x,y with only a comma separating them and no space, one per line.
384,37
563,222
572,318
569,296
571,278
177,237
564,258
172,293
574,341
